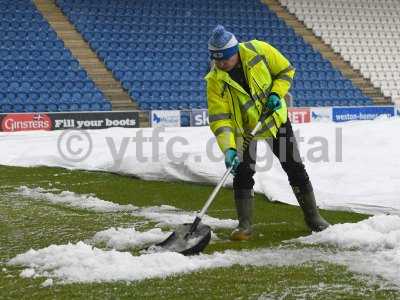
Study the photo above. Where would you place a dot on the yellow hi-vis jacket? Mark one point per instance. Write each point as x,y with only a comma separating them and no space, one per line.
232,111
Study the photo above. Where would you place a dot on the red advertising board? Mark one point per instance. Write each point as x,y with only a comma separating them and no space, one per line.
25,122
299,115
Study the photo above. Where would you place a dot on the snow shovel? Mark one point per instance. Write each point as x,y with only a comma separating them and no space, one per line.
192,238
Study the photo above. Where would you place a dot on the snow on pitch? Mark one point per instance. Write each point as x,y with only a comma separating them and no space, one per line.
129,238
370,247
81,262
375,243
164,214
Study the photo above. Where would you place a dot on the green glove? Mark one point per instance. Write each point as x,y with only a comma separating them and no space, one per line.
232,160
273,102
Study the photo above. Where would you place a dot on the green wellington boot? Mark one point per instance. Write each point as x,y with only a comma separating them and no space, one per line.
307,203
244,201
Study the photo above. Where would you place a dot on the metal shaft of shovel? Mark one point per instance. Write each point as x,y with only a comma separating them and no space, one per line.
209,201
246,144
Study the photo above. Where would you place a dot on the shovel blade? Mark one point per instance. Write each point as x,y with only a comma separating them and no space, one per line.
187,244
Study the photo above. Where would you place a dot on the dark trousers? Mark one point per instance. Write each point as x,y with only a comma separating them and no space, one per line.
284,147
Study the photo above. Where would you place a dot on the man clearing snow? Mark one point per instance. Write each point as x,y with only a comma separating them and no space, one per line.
246,78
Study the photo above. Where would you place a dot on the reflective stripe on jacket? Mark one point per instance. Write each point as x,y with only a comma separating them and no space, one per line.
232,111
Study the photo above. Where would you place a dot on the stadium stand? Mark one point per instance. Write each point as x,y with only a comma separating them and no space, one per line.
158,49
364,32
37,73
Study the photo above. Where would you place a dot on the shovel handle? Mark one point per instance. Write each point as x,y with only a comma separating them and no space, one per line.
194,225
214,193
249,137
246,144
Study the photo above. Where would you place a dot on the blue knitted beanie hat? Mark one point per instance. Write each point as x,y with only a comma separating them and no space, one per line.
222,43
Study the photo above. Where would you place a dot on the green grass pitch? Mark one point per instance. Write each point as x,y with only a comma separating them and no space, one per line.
26,224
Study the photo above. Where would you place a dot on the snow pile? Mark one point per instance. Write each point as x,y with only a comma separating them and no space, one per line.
47,283
163,214
376,233
83,263
89,202
375,245
128,238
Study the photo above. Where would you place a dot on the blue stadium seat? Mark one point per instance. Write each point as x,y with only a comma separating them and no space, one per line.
96,106
52,107
144,106
74,106
6,107
106,106
85,106
41,107
63,106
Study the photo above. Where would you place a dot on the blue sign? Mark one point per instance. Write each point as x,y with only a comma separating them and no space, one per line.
321,114
165,118
344,114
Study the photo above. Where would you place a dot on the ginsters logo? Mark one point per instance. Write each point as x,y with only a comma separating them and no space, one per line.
26,122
